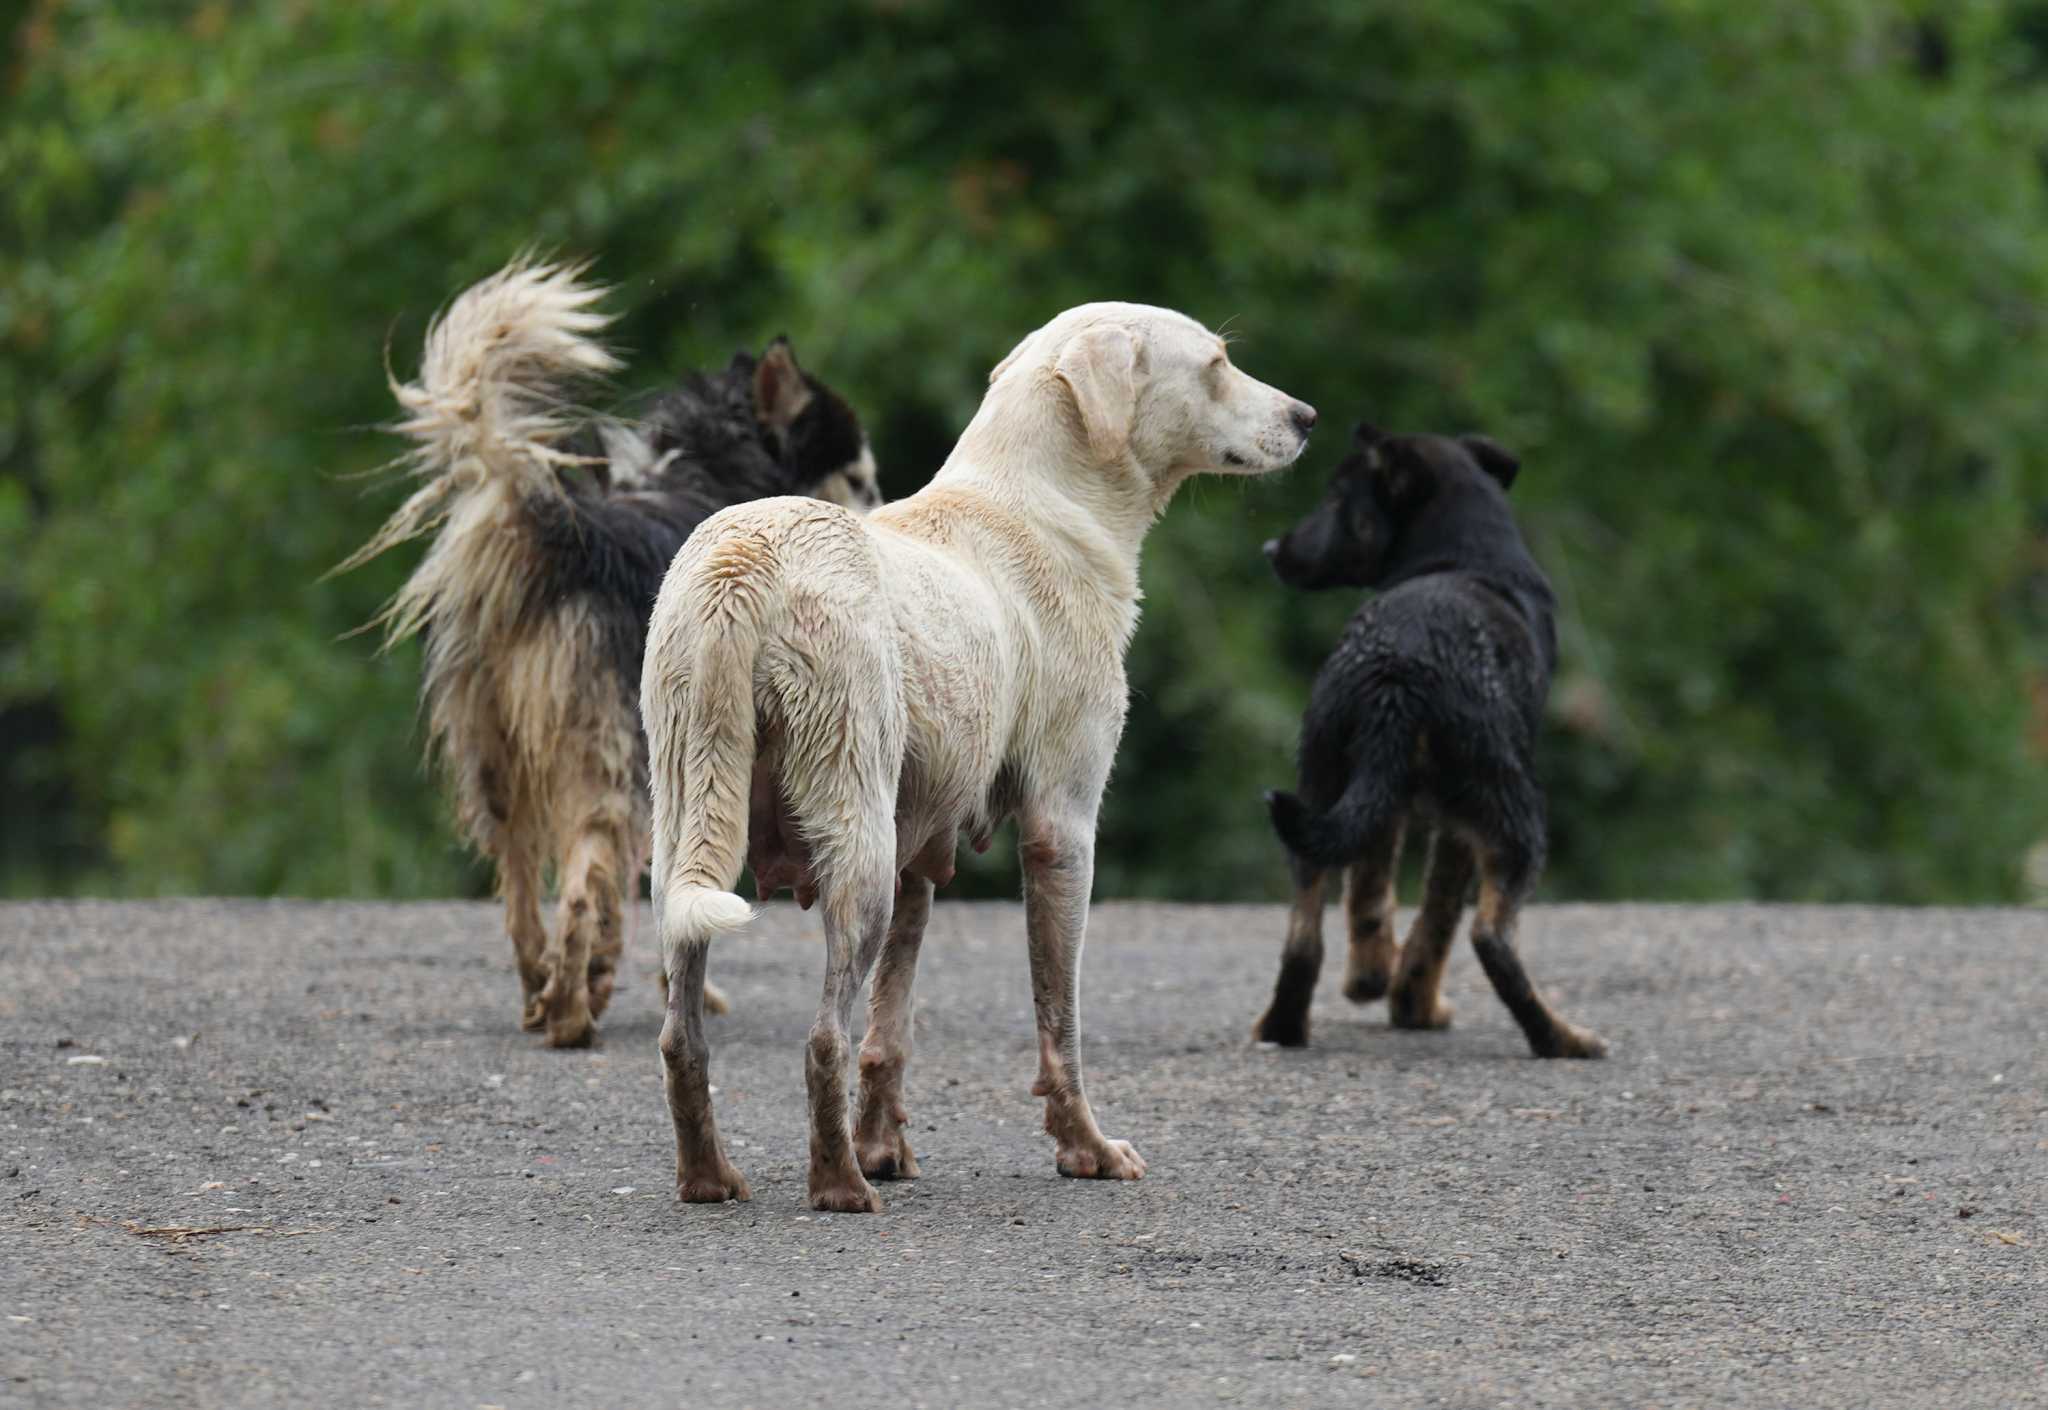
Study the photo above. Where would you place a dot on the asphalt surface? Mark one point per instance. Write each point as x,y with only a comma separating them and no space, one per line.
1814,1173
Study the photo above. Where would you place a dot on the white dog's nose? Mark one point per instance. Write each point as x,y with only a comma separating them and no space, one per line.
1304,417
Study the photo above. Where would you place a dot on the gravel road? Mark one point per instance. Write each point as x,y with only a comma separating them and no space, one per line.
280,1153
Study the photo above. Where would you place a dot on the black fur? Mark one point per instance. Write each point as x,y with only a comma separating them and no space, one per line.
1425,717
611,540
1435,692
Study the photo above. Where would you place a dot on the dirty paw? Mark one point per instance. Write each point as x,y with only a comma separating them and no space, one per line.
713,1187
571,1029
841,1194
1574,1042
1413,1015
886,1156
1289,1030
1362,986
1111,1160
533,1014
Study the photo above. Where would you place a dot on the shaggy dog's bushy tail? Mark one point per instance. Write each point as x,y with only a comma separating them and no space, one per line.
506,688
485,416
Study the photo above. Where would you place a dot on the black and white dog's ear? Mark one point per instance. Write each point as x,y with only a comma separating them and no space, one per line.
780,392
1495,459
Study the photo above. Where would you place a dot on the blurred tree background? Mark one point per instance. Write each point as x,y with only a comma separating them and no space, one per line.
1756,290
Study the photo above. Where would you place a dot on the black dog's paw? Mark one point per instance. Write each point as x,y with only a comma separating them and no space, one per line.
1290,818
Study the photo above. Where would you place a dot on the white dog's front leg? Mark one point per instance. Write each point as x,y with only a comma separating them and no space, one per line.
1059,868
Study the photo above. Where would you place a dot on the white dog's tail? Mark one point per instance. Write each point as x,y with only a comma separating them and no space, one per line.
486,416
700,726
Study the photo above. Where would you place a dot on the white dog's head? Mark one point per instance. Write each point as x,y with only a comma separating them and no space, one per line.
1153,388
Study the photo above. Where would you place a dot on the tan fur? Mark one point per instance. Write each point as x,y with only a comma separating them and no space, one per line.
543,764
952,659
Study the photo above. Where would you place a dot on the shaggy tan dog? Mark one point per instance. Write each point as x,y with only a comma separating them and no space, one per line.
836,699
550,534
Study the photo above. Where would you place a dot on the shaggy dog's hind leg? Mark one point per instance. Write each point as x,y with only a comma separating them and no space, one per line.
505,828
588,938
519,883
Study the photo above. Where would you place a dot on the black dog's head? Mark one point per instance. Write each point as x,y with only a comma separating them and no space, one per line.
1383,488
762,427
812,431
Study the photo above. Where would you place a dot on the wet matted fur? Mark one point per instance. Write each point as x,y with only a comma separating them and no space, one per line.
551,533
1424,717
835,700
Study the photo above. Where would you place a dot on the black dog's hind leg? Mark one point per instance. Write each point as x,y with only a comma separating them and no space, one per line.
1285,1020
1369,911
1416,1000
1507,874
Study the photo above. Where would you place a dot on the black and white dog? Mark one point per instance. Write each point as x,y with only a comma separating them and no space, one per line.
1426,713
551,534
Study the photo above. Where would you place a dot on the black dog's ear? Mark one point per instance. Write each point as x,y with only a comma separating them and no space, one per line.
780,392
1365,435
1403,479
1494,458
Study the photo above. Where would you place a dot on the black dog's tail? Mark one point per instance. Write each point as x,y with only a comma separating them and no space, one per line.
1380,773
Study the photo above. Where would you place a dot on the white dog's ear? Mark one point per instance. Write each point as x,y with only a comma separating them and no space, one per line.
1100,368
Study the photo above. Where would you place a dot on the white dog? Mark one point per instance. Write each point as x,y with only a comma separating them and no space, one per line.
835,699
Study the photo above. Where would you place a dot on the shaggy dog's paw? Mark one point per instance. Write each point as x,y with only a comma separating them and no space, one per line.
1109,1160
601,981
533,1016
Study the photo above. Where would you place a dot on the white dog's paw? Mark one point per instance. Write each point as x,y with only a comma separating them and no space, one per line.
1102,1160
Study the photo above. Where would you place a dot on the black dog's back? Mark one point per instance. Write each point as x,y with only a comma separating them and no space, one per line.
1435,692
762,427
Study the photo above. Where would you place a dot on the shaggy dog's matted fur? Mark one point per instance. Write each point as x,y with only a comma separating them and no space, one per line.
1425,715
551,535
836,700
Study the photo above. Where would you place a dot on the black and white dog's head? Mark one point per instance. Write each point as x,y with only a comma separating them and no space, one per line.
1393,498
762,427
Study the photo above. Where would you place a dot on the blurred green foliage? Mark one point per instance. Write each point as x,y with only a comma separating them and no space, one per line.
1756,290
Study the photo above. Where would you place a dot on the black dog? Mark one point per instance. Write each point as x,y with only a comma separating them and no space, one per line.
1427,711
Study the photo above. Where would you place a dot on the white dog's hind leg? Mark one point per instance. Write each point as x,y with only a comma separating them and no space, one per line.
1058,854
703,1174
856,920
878,1138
